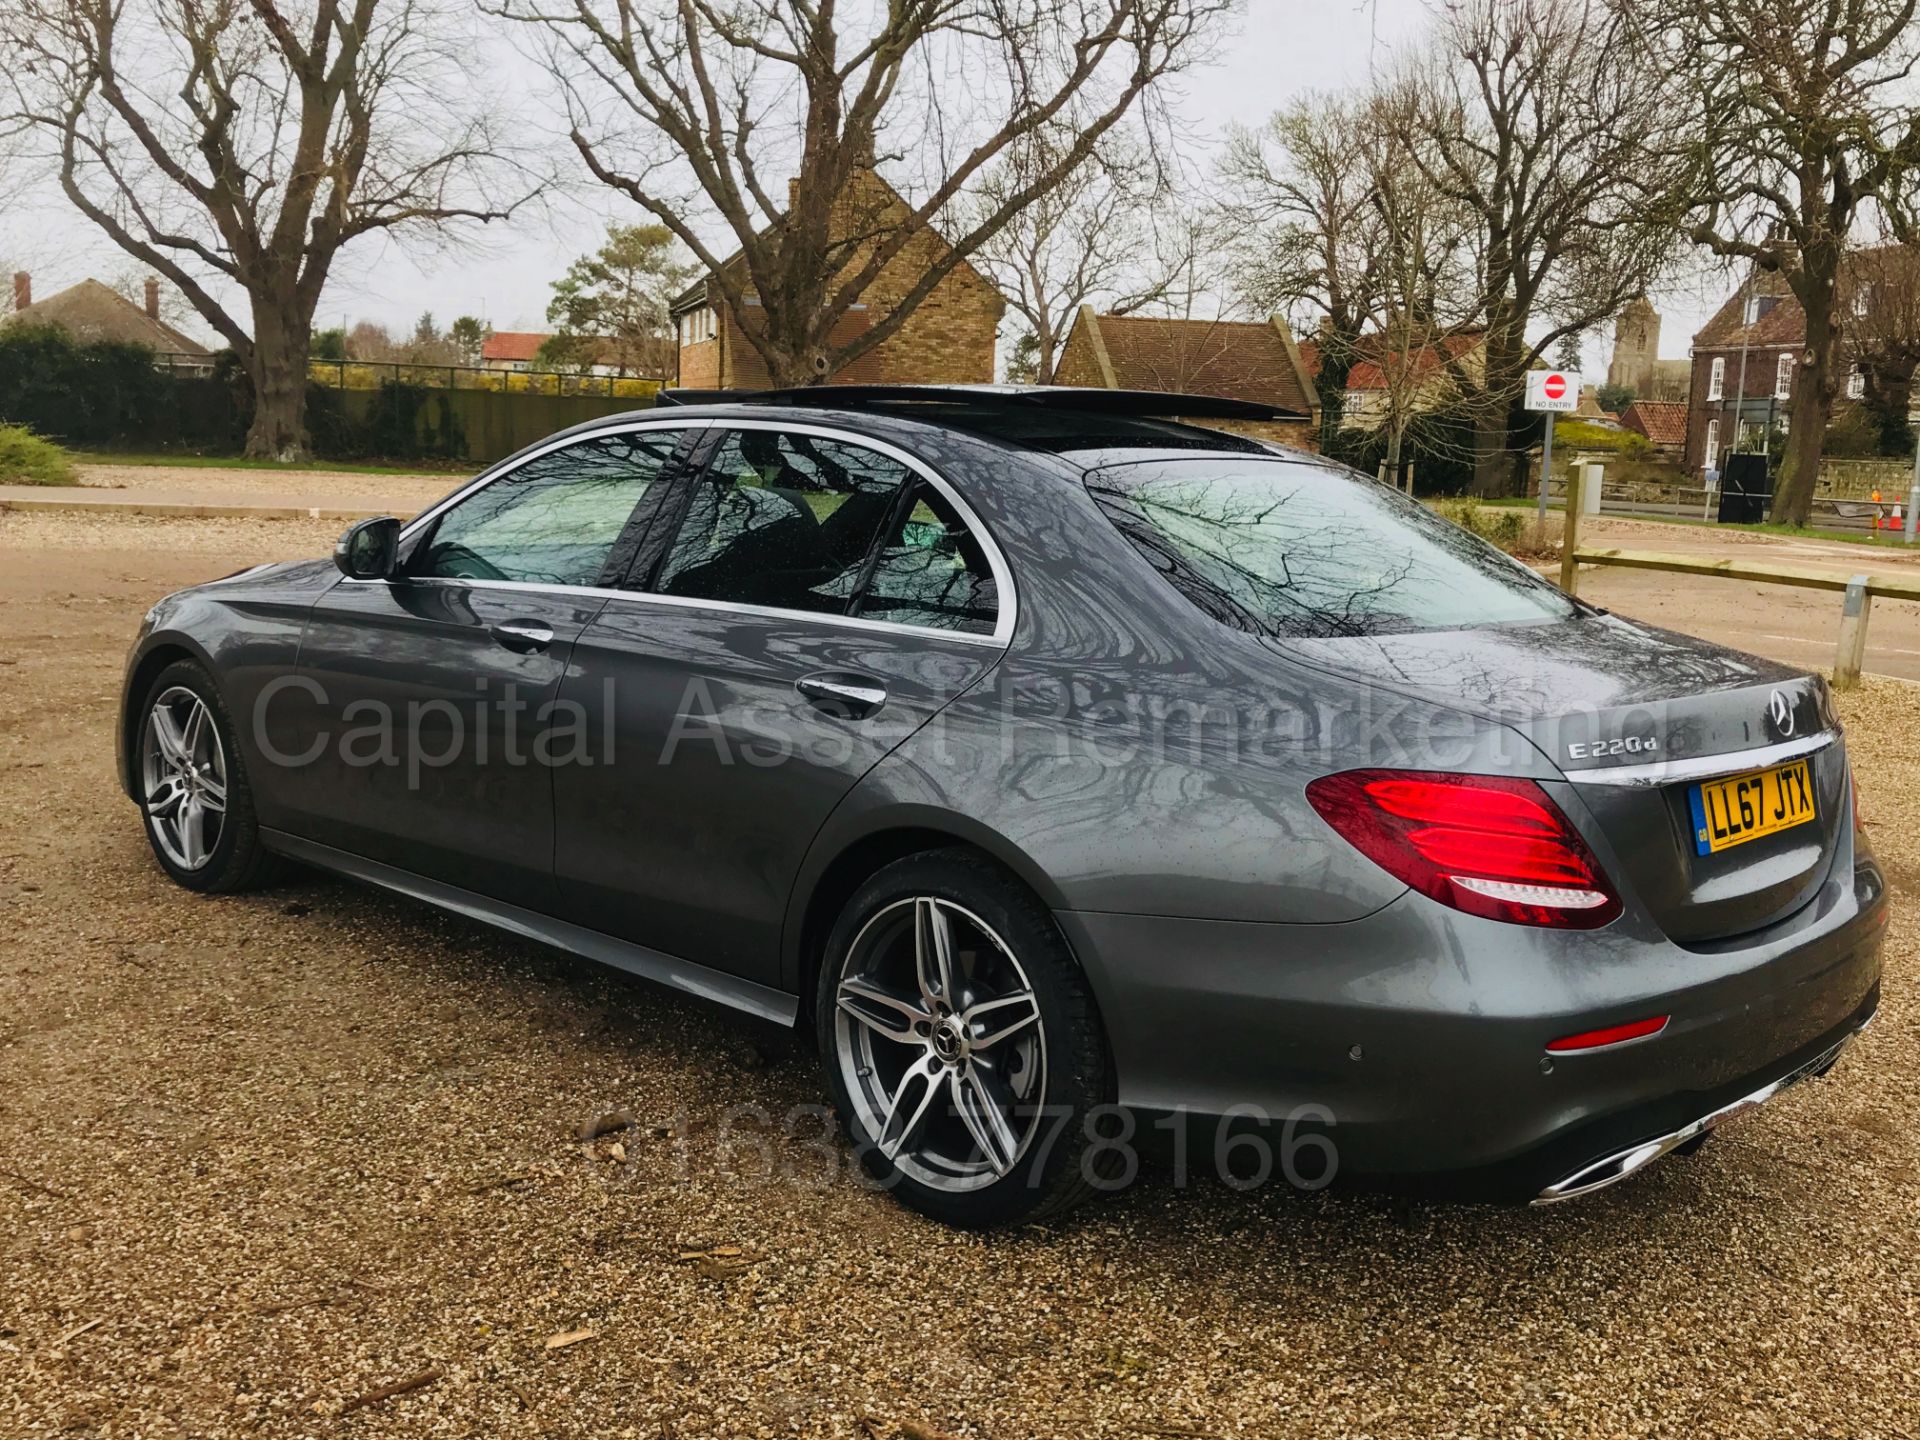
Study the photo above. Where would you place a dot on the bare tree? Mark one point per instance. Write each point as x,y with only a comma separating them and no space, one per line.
1538,118
1804,117
241,144
1426,347
1884,327
690,107
1090,238
1301,194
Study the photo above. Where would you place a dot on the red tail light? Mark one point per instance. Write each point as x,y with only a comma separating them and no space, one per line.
1484,844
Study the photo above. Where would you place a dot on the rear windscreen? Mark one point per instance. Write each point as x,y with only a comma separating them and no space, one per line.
1280,548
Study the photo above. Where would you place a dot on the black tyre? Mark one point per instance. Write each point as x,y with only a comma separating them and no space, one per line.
962,1045
192,784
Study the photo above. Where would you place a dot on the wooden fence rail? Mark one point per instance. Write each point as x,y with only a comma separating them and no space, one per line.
1859,591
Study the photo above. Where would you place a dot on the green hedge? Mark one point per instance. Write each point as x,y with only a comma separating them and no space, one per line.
79,393
111,396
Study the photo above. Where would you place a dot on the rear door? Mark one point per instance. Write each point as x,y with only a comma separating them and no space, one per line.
421,731
816,599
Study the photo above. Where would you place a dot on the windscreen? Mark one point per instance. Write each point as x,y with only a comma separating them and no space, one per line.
1289,549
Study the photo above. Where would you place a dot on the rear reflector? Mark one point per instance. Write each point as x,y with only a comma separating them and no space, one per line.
1488,845
1612,1035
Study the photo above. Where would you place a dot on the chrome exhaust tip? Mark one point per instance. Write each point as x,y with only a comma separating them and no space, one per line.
1612,1169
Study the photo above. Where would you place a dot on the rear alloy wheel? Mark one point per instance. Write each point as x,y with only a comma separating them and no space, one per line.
962,1043
193,790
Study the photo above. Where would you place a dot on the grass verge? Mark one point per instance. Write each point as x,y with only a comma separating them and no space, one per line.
237,462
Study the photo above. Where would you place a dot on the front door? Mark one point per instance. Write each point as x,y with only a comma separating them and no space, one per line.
422,730
819,599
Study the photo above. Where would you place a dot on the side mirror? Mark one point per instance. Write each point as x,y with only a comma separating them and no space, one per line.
369,550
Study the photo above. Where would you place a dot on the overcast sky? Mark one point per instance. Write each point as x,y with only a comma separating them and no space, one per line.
1285,48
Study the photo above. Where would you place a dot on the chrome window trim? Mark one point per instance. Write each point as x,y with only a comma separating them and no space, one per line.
1004,622
1703,767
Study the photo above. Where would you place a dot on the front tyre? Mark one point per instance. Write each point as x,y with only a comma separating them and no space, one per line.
962,1045
193,790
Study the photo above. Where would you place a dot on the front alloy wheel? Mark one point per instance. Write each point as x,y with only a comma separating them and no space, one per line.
191,783
183,773
962,1043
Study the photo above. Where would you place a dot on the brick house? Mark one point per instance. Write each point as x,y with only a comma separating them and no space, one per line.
518,351
1240,360
949,339
1747,357
1427,377
93,311
1662,422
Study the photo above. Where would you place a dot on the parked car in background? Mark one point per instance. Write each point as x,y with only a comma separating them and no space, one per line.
1052,761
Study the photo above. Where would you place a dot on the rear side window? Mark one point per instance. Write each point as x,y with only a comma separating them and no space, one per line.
1287,549
785,520
932,571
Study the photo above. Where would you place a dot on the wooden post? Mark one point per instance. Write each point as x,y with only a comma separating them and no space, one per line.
1853,634
1570,539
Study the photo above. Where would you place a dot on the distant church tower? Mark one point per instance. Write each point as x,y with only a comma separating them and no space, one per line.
1636,347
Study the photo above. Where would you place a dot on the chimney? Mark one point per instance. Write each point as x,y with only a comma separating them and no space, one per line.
22,290
153,298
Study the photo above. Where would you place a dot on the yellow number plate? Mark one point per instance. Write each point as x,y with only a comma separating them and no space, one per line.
1732,812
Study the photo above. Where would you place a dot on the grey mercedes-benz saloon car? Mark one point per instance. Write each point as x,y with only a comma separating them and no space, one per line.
1084,781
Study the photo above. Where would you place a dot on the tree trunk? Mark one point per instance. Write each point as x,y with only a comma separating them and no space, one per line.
1490,462
278,368
1807,417
1889,399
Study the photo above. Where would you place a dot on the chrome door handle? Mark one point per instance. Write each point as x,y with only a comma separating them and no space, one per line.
526,639
849,698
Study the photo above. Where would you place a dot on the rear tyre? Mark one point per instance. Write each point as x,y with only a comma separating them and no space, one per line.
192,784
963,1047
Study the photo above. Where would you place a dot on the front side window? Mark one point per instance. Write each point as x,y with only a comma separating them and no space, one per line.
1288,549
553,520
784,520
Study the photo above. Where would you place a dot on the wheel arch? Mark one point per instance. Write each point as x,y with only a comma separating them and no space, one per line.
157,656
836,868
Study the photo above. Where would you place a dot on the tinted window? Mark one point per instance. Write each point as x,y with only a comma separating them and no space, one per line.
1291,549
555,519
932,572
783,520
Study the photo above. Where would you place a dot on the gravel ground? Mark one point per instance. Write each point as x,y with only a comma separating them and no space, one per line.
265,1159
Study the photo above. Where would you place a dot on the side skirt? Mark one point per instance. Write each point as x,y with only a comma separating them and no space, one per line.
724,989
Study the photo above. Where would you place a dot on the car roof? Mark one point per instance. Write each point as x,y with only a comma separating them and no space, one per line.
1079,424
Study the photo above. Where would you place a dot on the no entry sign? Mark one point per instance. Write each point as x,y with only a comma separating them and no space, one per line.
1553,390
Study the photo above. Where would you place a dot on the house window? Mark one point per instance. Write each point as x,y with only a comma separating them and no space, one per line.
1713,444
1752,312
1856,383
1717,378
1783,377
1862,301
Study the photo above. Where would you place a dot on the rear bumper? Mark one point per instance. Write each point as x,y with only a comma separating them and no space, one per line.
1416,1038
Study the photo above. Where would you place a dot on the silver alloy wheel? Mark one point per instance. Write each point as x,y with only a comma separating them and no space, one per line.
183,776
938,1035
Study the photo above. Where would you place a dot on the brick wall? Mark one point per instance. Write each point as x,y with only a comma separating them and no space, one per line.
948,339
1077,364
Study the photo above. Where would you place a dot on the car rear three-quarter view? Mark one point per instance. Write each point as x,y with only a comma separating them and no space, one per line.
1085,782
